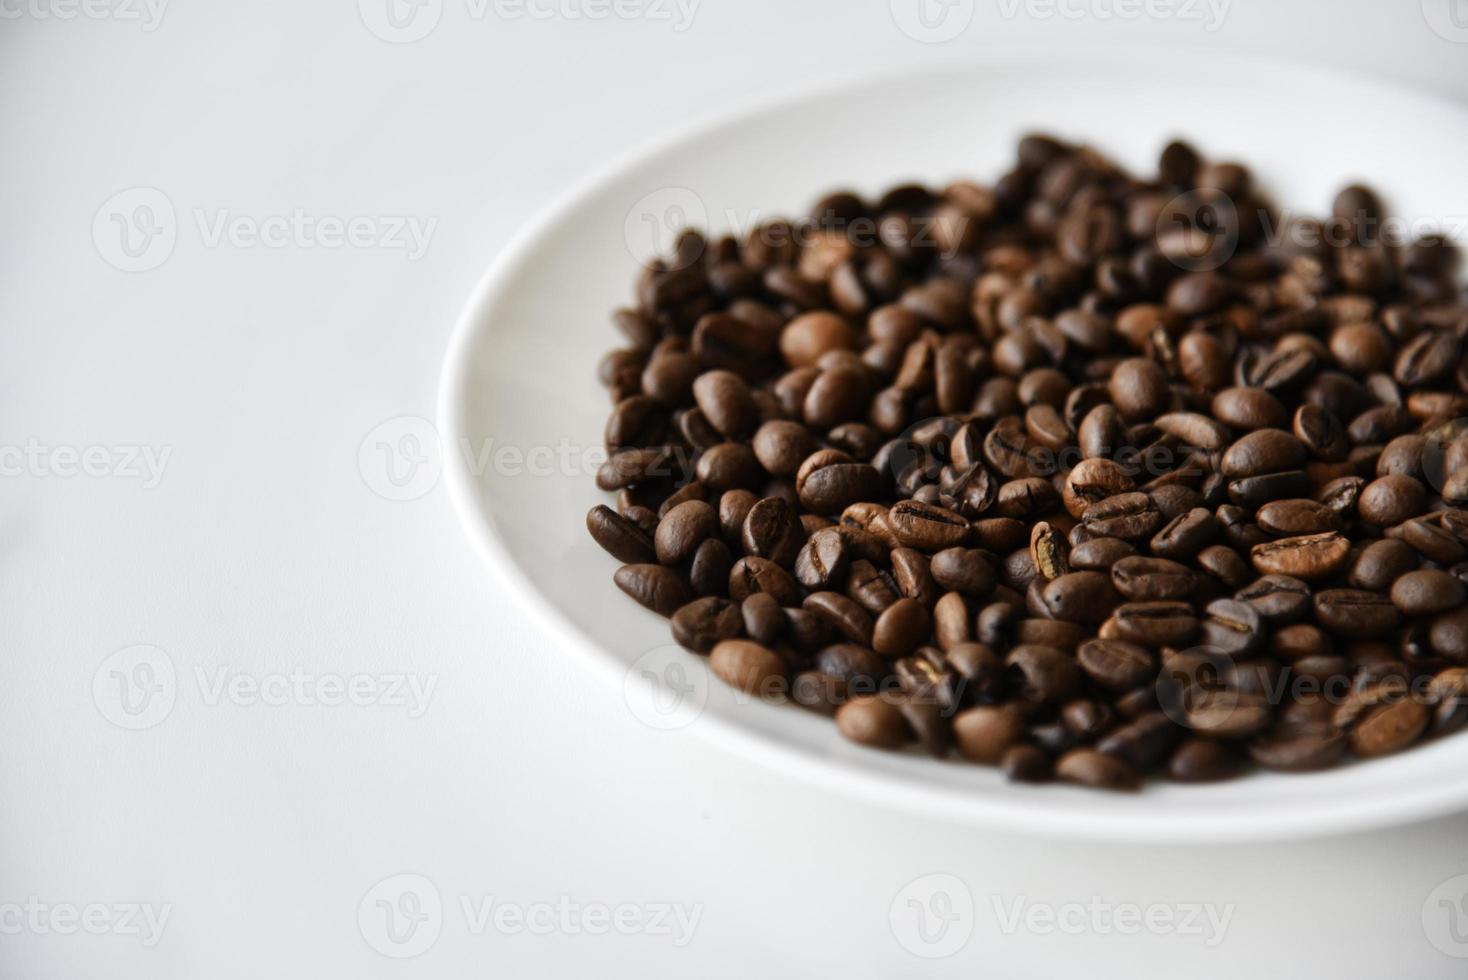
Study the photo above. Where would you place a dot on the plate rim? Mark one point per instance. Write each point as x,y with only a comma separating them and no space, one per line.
1017,812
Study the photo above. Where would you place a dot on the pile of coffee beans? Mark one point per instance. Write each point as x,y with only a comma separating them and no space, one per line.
1080,474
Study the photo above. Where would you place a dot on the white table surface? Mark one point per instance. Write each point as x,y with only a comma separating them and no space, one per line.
260,821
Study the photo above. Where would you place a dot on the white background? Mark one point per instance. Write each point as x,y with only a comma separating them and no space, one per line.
261,828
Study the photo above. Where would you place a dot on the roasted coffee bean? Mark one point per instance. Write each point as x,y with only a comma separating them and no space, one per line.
750,667
1199,760
1391,500
983,734
1321,433
1185,535
1291,518
925,527
1142,579
763,618
659,588
709,568
910,571
1026,764
772,530
1427,591
952,624
702,623
727,466
963,570
1300,748
1116,664
1310,557
1152,624
1260,452
1141,742
828,482
843,615
818,692
619,537
752,574
1042,674
1248,409
1389,728
823,559
1138,388
1355,613
1255,491
873,721
1233,627
1049,551
871,587
1091,481
1279,598
1129,516
1081,597
1099,554
781,446
725,401
857,666
1097,770
1226,565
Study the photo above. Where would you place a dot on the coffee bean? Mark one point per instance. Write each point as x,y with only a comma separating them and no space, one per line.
855,665
1389,728
1233,627
1198,760
1185,535
749,667
823,559
1391,500
1026,764
619,537
1081,597
810,335
873,721
1115,664
763,618
1249,409
659,588
1091,481
818,692
828,482
1042,674
951,622
1097,770
925,527
1291,518
1099,554
709,568
963,570
1427,591
1279,598
772,530
843,615
985,733
725,401
1143,579
752,574
1138,388
702,623
1321,433
781,446
1195,429
870,587
1355,613
1299,749
911,571
1310,557
1130,516
1151,624
1049,551
1260,452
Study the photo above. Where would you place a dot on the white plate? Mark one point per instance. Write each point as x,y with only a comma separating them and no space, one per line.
520,374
